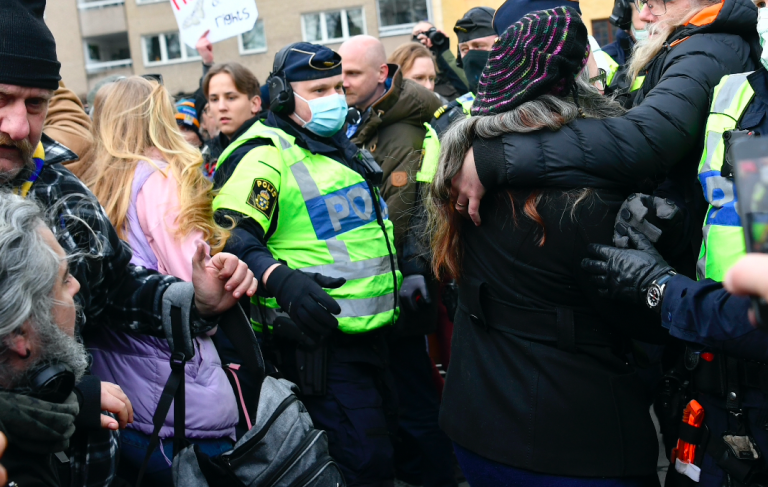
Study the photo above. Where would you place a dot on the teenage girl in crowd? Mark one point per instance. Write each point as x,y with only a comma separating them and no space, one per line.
149,180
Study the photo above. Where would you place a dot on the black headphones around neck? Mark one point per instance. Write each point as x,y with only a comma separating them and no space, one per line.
621,16
280,92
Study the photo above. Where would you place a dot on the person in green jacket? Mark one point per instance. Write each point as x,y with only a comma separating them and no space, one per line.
311,224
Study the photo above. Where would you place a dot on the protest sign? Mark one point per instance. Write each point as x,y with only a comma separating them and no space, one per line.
223,18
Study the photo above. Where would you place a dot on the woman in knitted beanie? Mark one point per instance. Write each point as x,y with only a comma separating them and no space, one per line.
539,391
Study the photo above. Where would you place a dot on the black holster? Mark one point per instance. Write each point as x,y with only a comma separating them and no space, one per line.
308,369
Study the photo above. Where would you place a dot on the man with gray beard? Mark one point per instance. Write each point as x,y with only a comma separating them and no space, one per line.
111,292
40,359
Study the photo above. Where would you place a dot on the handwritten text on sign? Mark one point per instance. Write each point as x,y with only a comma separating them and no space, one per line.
223,18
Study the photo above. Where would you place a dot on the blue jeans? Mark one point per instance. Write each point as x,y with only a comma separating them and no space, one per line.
133,448
481,472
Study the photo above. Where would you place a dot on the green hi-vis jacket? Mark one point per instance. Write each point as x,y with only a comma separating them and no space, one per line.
430,149
327,224
723,242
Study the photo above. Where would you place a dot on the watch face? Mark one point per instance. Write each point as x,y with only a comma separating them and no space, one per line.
654,295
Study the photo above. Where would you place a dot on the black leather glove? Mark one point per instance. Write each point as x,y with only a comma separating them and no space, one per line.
659,219
625,273
301,295
413,292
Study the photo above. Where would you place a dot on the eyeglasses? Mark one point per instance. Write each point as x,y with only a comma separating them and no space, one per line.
657,7
601,77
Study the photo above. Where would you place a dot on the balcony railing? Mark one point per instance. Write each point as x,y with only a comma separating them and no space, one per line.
96,67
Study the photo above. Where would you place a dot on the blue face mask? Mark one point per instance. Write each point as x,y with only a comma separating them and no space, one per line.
328,114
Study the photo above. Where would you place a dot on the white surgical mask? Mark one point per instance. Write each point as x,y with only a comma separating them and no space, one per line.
762,31
639,35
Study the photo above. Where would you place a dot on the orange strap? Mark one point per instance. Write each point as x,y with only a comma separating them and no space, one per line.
679,41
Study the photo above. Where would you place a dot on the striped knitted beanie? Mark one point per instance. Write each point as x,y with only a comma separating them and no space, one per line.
541,54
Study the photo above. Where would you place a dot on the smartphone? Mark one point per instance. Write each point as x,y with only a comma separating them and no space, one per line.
750,161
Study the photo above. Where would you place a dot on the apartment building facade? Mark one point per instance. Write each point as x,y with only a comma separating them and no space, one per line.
100,38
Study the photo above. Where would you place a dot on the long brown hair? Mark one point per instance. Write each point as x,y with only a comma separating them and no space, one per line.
545,112
135,116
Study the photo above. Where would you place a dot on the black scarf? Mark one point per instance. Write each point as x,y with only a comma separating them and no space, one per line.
37,426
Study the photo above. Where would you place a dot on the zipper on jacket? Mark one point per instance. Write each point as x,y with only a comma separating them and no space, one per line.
262,433
305,445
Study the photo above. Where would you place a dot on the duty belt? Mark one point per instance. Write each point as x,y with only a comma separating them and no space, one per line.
559,325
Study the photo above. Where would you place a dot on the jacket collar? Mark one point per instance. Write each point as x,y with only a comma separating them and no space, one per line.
225,141
376,113
337,147
56,152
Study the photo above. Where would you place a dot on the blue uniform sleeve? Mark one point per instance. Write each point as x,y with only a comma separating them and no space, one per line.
705,313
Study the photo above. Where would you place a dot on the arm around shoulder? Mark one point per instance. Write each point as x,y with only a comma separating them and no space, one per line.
645,143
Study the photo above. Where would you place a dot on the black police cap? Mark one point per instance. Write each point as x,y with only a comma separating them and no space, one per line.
305,61
476,23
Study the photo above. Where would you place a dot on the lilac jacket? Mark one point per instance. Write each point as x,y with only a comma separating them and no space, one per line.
140,363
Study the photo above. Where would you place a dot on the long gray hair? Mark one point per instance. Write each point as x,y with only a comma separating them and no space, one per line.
546,111
29,268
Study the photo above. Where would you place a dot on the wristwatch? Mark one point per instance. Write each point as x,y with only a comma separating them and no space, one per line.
655,292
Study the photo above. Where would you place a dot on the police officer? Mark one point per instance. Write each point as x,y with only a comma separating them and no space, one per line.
725,360
311,223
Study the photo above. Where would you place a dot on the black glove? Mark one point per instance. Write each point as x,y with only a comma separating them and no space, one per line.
301,295
285,328
625,273
659,219
413,292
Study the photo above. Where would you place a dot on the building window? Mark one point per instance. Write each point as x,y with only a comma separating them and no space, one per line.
333,26
166,48
398,16
603,31
255,40
86,4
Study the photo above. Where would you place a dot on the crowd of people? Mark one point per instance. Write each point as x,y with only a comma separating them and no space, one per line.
496,266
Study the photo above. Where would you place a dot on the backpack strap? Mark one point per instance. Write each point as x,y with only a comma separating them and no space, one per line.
236,326
177,304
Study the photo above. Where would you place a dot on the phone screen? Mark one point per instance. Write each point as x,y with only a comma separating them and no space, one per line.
751,180
752,191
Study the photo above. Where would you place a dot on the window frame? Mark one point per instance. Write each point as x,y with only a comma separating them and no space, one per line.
164,50
611,31
149,2
241,46
324,27
400,29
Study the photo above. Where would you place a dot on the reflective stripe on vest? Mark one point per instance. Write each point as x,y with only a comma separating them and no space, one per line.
637,83
430,155
327,224
723,242
430,148
466,101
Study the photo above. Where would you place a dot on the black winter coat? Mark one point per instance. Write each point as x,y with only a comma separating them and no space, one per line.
527,386
662,136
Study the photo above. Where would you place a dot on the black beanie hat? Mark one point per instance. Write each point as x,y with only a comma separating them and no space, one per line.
27,48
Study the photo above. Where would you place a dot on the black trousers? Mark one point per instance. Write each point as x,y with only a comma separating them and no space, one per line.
423,453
